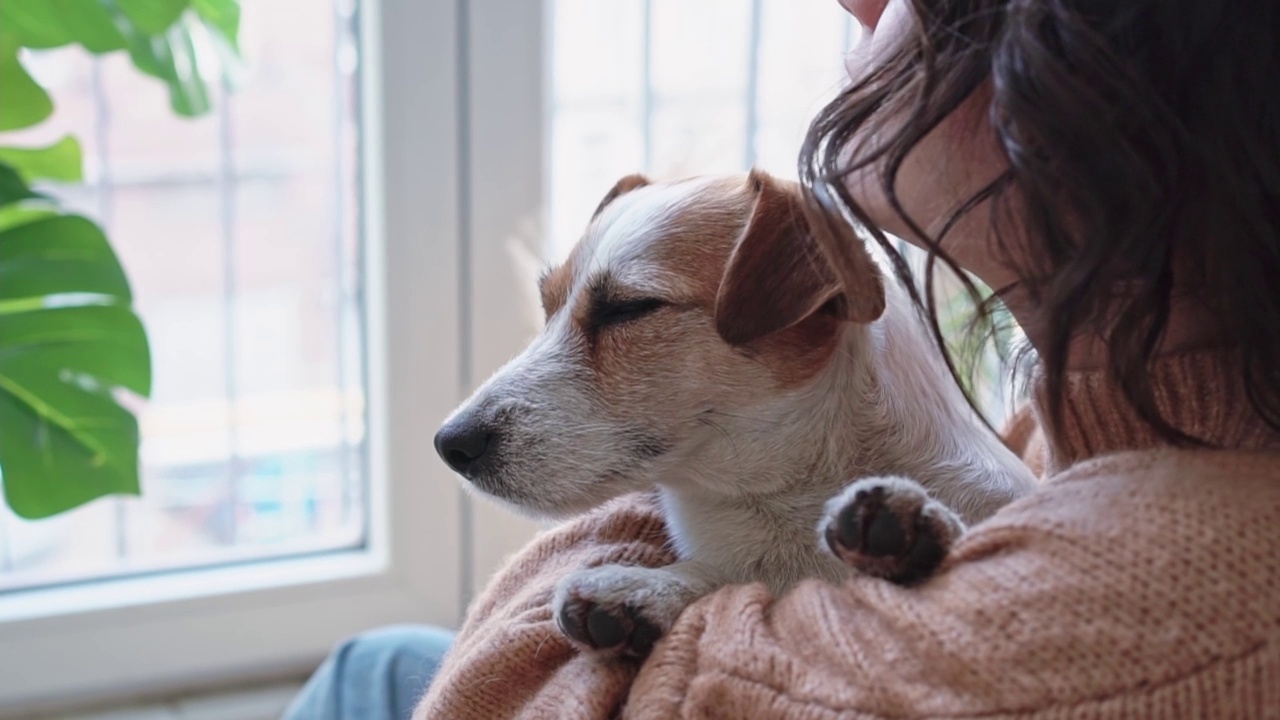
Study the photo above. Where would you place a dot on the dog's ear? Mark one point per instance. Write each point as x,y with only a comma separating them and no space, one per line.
777,277
622,187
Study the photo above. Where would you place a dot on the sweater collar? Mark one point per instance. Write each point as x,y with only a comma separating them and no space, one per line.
1198,392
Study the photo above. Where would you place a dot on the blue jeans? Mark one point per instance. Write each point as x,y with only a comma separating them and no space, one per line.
379,675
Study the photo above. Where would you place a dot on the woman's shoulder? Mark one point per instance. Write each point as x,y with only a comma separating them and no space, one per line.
1172,536
1161,496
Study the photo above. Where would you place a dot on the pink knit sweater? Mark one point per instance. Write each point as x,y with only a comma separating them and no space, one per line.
1140,581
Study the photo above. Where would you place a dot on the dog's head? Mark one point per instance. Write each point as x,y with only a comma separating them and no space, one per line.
678,334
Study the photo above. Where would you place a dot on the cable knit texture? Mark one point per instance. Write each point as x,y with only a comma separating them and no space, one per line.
1140,581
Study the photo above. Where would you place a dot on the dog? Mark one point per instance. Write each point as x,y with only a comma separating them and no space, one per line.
696,342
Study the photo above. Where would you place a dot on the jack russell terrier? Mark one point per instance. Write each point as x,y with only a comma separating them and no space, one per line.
695,341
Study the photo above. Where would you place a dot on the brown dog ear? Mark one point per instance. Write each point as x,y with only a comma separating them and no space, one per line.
776,276
622,187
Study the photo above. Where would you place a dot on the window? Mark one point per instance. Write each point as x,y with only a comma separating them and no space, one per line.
239,233
295,257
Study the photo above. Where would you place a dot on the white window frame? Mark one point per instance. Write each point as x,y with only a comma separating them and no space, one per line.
453,170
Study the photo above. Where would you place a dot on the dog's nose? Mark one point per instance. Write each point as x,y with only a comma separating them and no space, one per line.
463,445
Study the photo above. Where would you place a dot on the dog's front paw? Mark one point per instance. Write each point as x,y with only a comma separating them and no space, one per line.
619,609
889,527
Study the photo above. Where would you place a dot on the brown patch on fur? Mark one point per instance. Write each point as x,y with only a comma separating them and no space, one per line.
623,186
796,355
776,276
699,249
554,287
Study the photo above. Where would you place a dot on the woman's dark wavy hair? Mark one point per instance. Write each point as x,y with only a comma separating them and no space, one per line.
1140,135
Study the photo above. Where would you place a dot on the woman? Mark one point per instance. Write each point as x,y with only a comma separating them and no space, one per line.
1113,170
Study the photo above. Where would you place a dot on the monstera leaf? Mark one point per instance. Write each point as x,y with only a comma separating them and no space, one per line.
70,348
161,37
60,161
25,102
73,355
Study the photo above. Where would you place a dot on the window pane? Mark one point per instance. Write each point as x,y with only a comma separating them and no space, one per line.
239,234
666,86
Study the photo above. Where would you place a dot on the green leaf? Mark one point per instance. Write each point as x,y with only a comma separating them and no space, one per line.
60,161
54,23
35,23
54,463
152,17
104,342
171,57
22,213
65,439
23,102
59,255
221,15
92,25
12,187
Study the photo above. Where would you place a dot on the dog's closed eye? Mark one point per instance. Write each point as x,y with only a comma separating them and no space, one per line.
611,312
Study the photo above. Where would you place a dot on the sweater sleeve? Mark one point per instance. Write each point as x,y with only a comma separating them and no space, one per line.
864,649
509,660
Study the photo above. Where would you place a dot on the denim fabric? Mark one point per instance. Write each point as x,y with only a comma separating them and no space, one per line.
379,675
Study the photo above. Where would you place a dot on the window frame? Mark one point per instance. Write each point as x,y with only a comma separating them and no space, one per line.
451,120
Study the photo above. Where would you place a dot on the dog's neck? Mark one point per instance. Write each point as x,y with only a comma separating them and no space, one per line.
929,432
885,405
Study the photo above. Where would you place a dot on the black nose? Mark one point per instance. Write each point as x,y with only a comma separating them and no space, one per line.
463,445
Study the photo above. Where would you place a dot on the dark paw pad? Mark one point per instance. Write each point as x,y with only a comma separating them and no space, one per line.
618,628
896,533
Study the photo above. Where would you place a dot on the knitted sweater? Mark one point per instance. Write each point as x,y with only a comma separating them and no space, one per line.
1138,581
